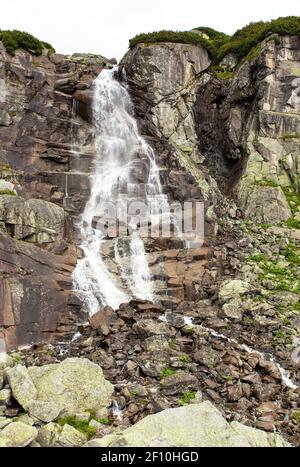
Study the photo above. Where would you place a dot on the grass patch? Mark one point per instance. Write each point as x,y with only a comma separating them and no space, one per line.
80,425
135,393
296,416
184,359
14,40
258,258
245,39
293,198
281,337
264,226
172,344
293,223
167,372
187,397
212,34
266,183
225,75
7,192
104,421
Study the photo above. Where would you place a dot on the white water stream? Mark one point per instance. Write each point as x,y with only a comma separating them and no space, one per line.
286,380
124,169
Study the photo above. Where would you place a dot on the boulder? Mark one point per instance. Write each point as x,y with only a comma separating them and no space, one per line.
19,434
233,310
103,319
48,435
151,327
70,437
197,425
179,383
45,411
233,290
76,384
266,205
5,443
5,395
23,389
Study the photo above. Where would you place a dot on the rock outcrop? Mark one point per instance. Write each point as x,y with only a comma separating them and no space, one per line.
163,80
199,425
248,129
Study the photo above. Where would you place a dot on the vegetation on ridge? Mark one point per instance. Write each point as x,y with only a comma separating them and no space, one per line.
183,37
14,40
243,40
218,43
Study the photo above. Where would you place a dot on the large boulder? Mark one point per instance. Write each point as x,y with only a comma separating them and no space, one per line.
233,289
76,384
19,434
200,425
21,385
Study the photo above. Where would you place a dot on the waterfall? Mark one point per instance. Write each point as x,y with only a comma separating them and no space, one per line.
112,271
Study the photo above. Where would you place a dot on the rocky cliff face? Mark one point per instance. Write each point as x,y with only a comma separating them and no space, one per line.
230,143
254,119
45,159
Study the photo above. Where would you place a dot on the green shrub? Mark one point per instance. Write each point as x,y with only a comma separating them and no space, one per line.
243,43
14,40
212,33
183,37
243,40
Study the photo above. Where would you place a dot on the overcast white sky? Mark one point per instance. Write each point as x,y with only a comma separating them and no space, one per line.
105,26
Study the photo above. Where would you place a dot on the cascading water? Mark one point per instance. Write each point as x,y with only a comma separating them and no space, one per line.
124,168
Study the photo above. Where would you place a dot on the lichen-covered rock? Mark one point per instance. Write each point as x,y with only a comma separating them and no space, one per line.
200,425
70,437
76,384
5,395
233,289
48,435
265,205
5,443
22,386
19,434
32,220
45,411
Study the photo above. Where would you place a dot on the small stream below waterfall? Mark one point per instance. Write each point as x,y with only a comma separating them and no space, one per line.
286,380
124,170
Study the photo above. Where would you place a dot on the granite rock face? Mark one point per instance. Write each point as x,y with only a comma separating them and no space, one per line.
248,129
45,159
164,79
